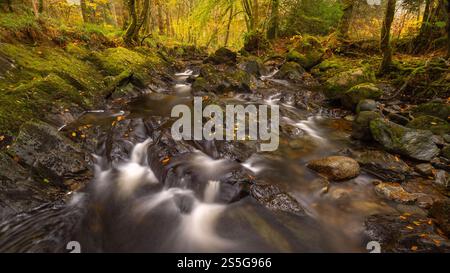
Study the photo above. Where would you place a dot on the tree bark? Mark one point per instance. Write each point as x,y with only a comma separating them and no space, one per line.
141,19
128,36
344,23
385,44
448,28
230,19
272,31
84,11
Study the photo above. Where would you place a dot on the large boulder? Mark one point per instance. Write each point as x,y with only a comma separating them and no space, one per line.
366,105
20,192
336,168
307,60
361,125
222,56
436,109
254,67
434,124
50,154
290,71
336,86
417,144
218,81
382,165
360,92
307,51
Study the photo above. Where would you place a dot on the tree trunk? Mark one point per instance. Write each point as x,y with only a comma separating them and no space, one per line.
385,37
448,28
344,23
249,19
160,19
128,36
272,31
84,11
255,14
141,19
230,19
35,7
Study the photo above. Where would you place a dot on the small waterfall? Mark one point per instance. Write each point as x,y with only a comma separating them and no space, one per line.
211,191
198,229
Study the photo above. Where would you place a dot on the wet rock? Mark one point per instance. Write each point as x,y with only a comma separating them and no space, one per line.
336,86
337,168
366,105
352,97
290,71
395,192
424,188
437,109
19,191
397,118
49,154
405,233
425,169
441,212
446,152
436,125
361,125
222,56
218,81
254,67
382,165
443,179
273,198
417,144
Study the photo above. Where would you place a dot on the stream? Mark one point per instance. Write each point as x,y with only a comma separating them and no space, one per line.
152,194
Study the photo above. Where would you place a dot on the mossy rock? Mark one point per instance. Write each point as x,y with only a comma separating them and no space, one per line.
366,105
290,71
361,125
217,81
360,92
336,86
222,56
417,144
436,125
436,109
255,42
306,60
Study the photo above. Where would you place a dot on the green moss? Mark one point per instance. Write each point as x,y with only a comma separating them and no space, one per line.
336,86
436,125
35,62
15,22
436,109
352,97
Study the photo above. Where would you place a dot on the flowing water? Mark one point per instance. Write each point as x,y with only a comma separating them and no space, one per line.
151,194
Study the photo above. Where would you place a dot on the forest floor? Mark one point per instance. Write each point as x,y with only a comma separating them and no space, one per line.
51,76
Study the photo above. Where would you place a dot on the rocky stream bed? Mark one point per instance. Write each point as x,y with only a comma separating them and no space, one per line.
364,169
